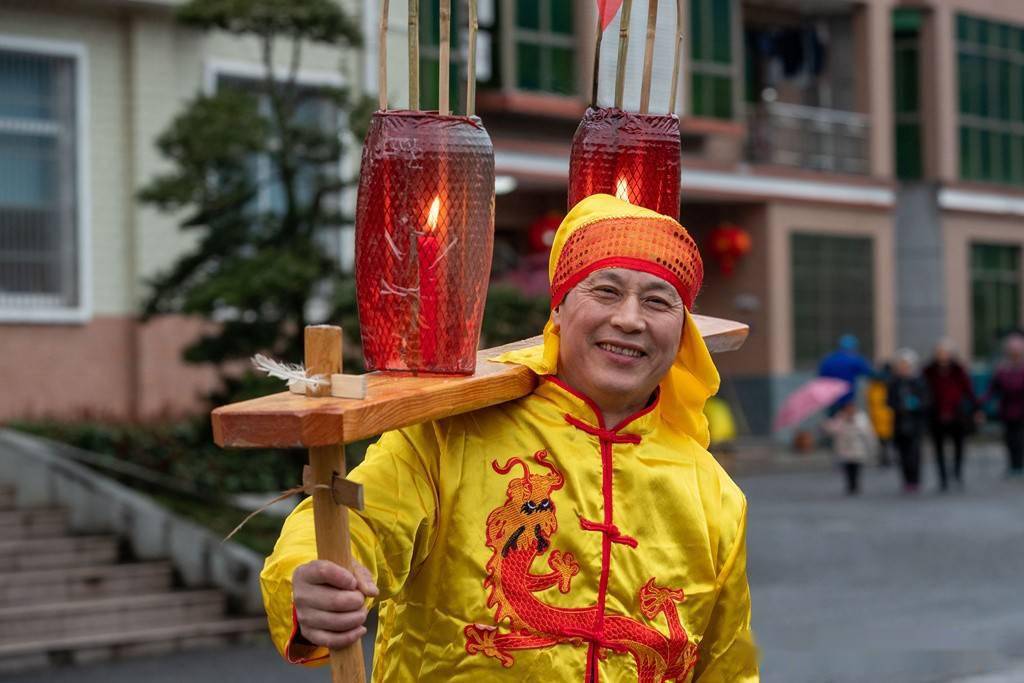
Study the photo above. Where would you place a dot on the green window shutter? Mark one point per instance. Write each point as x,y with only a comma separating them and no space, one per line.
995,295
825,271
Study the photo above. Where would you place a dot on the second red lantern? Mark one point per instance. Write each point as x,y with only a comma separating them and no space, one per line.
424,238
634,157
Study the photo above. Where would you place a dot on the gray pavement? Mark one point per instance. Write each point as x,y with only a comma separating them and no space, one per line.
884,587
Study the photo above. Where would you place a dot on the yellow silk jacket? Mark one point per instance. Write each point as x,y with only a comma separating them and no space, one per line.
528,542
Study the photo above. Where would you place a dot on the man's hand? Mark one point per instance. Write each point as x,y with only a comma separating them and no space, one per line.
330,602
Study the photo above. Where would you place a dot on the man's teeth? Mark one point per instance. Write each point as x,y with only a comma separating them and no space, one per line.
622,351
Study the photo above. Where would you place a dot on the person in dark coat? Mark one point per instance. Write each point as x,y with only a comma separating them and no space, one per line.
1008,386
908,398
951,409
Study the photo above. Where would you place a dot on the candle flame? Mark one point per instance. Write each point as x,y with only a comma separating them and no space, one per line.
622,190
432,216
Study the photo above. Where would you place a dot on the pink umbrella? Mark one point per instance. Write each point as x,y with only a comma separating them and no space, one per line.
813,396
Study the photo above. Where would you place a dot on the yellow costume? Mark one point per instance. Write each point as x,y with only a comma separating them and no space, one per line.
531,542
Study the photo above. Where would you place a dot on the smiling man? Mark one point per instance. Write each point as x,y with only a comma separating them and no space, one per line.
581,533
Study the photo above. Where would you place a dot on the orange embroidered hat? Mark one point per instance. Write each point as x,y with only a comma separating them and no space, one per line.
605,232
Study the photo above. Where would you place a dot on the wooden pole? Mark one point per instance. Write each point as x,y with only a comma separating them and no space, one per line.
414,54
323,357
471,61
620,67
382,58
597,61
674,94
652,25
445,56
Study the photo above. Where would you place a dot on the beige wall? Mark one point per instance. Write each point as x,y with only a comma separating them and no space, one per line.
786,219
720,295
959,231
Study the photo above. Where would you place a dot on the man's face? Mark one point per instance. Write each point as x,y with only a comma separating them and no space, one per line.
620,331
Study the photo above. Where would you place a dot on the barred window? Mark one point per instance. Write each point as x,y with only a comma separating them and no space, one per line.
991,100
39,250
995,295
833,294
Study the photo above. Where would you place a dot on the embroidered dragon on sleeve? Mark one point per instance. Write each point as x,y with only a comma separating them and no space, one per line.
518,532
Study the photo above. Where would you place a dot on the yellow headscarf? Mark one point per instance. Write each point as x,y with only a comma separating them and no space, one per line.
693,378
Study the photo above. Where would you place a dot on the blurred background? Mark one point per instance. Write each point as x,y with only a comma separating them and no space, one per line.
177,193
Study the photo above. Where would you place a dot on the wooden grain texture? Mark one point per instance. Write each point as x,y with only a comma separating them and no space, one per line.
286,420
323,357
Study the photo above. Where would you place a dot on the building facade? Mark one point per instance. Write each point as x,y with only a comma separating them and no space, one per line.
86,87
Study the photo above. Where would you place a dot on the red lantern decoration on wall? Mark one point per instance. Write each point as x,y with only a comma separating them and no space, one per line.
632,156
541,233
424,238
728,244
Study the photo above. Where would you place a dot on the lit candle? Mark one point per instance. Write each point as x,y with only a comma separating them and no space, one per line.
428,245
622,189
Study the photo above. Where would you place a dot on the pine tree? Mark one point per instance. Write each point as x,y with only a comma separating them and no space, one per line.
256,173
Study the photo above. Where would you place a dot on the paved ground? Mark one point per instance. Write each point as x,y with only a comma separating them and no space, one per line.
883,588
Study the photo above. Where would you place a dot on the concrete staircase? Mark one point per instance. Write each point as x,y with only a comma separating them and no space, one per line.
72,599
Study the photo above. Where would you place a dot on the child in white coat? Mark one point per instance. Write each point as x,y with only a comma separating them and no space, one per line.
854,442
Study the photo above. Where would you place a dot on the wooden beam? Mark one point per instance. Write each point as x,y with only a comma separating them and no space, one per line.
392,401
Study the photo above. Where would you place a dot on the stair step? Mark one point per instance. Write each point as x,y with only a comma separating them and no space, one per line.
101,645
65,551
7,495
81,583
120,613
33,523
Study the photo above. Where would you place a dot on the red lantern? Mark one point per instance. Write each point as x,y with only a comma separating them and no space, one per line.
728,244
541,233
632,156
424,238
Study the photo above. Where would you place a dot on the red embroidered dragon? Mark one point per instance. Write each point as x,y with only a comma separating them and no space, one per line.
521,530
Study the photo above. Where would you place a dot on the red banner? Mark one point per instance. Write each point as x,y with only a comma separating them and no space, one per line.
607,9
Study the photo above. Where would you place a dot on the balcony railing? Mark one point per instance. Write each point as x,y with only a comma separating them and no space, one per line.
808,137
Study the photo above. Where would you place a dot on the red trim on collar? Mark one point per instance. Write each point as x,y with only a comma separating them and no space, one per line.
557,381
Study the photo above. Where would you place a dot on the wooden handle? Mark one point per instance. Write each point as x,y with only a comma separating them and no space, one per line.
674,95
414,54
652,26
620,66
332,543
382,58
444,57
471,61
323,357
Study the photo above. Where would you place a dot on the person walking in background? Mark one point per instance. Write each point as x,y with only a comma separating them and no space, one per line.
880,413
952,407
847,364
908,398
853,441
1008,385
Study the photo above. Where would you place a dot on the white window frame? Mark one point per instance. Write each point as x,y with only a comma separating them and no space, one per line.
81,313
348,164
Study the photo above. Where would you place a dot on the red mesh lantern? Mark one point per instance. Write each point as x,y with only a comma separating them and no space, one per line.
424,237
632,156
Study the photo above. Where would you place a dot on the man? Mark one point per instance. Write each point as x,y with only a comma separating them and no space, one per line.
581,533
847,364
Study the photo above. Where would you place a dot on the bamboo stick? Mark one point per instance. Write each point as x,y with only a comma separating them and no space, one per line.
652,26
674,94
382,58
471,61
620,67
414,54
597,61
323,357
445,56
